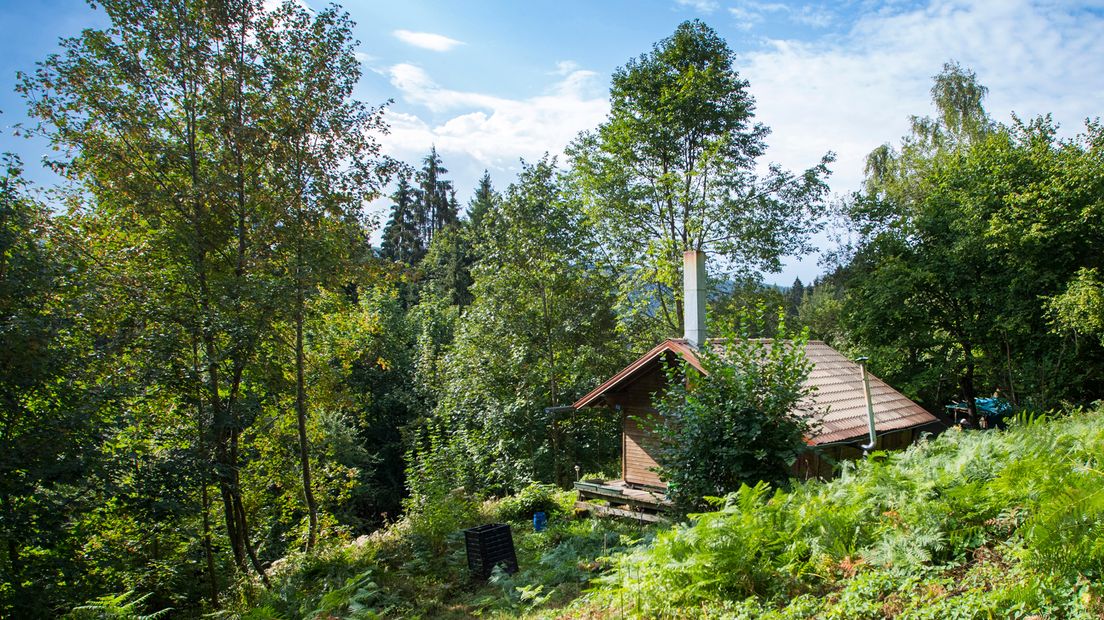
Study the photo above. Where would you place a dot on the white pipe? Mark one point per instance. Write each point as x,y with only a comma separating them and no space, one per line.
869,404
693,293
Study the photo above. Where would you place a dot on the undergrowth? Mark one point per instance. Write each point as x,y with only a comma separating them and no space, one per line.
967,525
417,567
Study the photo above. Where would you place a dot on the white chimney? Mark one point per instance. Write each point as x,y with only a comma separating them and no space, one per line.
693,294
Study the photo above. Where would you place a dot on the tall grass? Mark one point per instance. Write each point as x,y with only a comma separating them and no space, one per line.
966,525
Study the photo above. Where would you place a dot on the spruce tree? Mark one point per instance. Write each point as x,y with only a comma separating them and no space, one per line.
401,241
797,293
481,203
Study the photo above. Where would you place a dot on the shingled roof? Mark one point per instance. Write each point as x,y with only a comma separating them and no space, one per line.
837,398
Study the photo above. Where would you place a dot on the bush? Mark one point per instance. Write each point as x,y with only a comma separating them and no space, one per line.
739,423
969,525
535,498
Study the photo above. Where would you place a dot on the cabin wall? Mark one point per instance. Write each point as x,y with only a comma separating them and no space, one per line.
638,447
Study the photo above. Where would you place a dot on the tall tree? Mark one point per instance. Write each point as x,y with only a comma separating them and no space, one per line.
795,297
174,120
963,235
483,200
324,166
673,168
401,239
538,334
437,206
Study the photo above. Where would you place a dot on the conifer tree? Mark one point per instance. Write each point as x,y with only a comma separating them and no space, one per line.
482,202
797,293
401,241
436,207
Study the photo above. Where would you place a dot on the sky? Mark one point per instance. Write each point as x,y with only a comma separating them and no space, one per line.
492,82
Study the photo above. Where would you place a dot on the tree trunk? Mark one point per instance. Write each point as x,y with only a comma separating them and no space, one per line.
208,551
301,415
239,510
968,383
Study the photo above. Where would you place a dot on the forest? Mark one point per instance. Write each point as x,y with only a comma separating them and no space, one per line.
219,397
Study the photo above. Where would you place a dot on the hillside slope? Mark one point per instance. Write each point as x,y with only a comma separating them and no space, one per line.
967,525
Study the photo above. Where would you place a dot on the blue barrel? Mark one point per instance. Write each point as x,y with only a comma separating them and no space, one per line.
540,521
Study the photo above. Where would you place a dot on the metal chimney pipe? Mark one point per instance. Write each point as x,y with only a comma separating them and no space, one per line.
869,404
693,295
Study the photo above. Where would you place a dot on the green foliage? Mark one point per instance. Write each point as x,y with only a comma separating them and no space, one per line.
125,606
535,498
56,400
219,168
396,572
539,333
673,168
739,423
967,525
1080,307
972,246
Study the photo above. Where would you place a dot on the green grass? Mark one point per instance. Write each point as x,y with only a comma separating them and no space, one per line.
411,570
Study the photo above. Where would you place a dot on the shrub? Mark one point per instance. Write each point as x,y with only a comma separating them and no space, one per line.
739,423
535,498
968,525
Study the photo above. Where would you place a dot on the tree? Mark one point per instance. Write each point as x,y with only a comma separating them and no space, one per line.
737,424
324,166
673,168
483,200
51,402
538,334
963,234
453,252
194,131
795,296
437,206
401,241
1080,308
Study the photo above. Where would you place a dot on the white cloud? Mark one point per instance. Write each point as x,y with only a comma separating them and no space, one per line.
493,131
704,6
851,93
427,40
813,16
749,13
565,67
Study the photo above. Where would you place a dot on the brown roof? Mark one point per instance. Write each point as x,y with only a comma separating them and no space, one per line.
679,347
837,397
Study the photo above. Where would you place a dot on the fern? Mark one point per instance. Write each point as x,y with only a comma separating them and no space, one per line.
125,606
966,525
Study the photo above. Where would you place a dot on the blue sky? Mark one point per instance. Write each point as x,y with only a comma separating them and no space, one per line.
491,82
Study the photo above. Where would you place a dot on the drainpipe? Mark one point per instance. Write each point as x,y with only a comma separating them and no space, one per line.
869,405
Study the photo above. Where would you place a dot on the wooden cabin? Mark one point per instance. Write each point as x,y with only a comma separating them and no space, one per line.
838,401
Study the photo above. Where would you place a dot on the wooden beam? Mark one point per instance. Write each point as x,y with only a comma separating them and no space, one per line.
645,517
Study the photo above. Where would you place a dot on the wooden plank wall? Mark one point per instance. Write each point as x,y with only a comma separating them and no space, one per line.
635,400
638,448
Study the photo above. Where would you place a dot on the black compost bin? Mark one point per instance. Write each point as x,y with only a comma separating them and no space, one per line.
489,545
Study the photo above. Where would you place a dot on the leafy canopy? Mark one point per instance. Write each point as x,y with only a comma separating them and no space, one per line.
673,168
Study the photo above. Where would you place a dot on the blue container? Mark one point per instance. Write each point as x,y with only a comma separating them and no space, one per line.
540,521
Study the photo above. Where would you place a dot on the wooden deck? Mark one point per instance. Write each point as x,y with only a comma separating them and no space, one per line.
622,500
